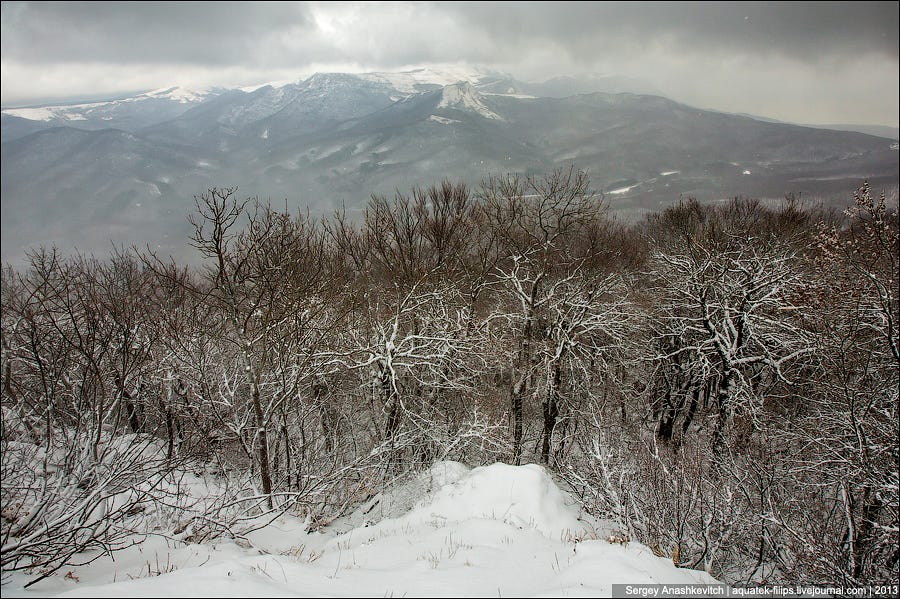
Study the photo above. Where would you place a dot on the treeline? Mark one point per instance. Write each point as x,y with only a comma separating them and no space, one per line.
719,380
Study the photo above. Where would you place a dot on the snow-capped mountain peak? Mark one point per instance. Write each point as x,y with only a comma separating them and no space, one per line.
178,94
463,96
422,79
327,81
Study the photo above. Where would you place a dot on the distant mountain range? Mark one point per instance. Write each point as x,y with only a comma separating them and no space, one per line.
125,171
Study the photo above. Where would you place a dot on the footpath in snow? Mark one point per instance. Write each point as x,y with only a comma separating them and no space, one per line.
494,531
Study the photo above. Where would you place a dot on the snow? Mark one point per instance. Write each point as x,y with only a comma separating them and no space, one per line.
510,95
462,96
622,190
177,94
442,120
151,188
49,113
407,81
273,84
33,114
451,531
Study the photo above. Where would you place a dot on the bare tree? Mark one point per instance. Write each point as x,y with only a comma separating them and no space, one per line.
539,224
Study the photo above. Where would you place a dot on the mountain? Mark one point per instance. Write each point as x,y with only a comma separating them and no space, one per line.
563,87
269,112
128,114
14,127
334,139
877,130
643,151
432,78
82,189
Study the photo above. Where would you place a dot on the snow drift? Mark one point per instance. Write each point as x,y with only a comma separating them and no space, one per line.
452,531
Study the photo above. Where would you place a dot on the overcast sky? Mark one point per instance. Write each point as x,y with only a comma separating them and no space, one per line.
800,62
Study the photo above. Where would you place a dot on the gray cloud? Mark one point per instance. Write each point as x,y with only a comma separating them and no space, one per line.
145,32
809,31
202,33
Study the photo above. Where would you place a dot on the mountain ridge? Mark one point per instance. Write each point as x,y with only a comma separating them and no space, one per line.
336,138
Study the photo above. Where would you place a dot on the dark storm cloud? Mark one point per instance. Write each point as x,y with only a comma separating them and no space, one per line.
808,31
145,32
229,33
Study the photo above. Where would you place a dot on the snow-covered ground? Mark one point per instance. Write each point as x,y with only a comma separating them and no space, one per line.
452,531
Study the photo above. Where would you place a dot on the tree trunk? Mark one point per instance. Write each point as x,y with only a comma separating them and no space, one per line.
692,408
667,416
871,505
723,404
134,422
287,450
551,409
170,428
263,441
519,386
319,390
516,408
392,422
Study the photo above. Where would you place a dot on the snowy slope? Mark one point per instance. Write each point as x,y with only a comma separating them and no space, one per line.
103,110
498,530
462,96
127,114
